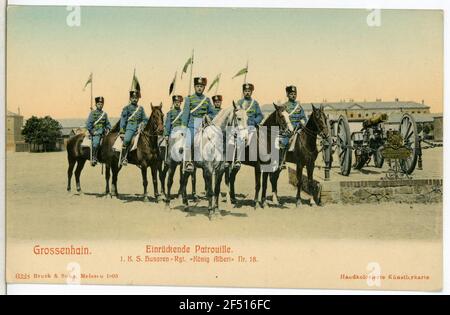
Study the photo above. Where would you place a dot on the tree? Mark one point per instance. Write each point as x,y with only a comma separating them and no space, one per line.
42,131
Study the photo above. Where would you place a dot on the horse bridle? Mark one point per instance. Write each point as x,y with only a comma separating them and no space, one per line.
314,133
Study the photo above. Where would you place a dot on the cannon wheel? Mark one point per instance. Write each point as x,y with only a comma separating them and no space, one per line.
344,145
408,131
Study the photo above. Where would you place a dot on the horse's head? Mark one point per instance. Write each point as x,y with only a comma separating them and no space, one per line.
282,118
239,120
320,120
156,122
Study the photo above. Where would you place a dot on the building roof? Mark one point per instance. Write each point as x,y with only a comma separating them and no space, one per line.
377,106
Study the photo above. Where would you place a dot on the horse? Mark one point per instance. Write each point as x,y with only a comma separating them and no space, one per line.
279,118
211,140
146,155
305,152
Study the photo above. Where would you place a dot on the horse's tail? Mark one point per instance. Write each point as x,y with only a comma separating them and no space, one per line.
73,146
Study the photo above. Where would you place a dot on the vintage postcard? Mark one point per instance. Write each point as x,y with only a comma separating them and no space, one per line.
224,147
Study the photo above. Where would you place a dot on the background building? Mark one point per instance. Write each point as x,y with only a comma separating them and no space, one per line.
14,139
359,111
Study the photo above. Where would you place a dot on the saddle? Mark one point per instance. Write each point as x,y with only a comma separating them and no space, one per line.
87,142
118,144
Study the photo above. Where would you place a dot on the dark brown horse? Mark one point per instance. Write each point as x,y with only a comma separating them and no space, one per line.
305,151
146,155
280,119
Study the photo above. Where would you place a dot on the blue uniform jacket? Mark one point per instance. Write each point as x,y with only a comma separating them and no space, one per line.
296,117
169,123
191,102
101,126
216,111
133,123
254,114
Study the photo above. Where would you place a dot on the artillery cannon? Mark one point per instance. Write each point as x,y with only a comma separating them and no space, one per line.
372,141
369,142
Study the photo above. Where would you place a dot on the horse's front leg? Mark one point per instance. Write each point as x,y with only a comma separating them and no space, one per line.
115,172
274,182
299,184
194,185
257,186
144,182
184,181
218,183
314,190
72,163
231,191
107,178
265,176
170,175
207,176
162,170
154,169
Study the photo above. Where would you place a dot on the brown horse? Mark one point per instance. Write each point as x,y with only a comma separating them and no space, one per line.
305,151
147,154
279,119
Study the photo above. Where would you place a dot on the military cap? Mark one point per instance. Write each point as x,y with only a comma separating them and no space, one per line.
291,88
200,81
178,98
216,98
99,99
248,86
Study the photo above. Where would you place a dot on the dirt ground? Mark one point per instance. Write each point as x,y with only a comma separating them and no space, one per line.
40,208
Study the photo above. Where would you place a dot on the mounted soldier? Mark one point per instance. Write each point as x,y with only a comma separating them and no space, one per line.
196,106
217,101
254,117
173,120
298,120
254,114
132,118
98,125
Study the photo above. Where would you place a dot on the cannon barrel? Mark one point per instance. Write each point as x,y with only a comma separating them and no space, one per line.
374,120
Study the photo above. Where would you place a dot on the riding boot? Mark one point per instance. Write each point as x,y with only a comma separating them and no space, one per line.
94,157
124,160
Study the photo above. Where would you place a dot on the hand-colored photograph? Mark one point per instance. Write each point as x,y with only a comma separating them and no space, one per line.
225,147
